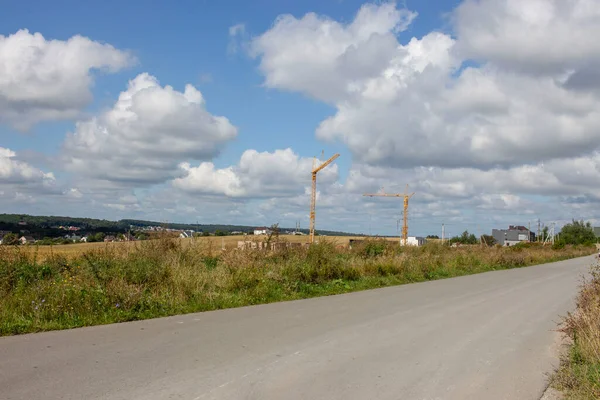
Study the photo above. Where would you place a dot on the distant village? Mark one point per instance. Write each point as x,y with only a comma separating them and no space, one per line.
74,234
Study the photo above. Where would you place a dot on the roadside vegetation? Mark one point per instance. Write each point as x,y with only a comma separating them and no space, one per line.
579,374
165,277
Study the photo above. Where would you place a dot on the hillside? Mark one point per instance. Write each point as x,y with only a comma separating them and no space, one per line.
49,225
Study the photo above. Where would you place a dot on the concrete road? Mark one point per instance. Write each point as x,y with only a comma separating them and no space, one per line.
487,336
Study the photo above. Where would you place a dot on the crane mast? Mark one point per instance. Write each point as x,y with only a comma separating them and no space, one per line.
313,194
406,196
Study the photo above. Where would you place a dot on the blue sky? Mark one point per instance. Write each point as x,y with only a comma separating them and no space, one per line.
431,132
188,43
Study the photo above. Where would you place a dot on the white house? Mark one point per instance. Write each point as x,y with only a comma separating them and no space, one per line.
26,240
415,241
262,231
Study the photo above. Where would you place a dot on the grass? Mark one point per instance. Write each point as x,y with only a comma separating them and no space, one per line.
164,277
579,374
228,242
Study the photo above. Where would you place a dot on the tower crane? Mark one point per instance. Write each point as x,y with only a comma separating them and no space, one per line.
406,197
313,197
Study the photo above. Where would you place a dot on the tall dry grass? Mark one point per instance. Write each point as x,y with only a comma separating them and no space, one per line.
579,375
165,277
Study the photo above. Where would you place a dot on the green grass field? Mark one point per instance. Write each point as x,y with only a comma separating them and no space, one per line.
123,282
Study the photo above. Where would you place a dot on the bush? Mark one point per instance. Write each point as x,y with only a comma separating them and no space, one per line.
578,233
373,248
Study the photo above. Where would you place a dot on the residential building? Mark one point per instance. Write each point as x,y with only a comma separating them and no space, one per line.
26,240
186,234
415,241
262,231
513,235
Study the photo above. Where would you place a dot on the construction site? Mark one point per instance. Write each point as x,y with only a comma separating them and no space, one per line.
503,237
318,166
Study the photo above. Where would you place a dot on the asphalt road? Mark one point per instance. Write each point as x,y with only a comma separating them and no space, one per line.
487,336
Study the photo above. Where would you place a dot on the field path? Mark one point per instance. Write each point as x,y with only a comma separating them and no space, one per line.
487,336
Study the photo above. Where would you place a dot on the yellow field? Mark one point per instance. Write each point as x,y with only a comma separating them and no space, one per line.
227,242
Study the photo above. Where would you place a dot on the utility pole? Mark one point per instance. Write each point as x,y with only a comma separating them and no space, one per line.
313,197
538,231
529,231
406,197
443,233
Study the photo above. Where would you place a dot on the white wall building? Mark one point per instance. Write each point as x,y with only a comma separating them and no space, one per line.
262,231
415,241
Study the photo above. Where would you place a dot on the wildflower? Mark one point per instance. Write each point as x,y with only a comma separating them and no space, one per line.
43,300
36,307
32,302
117,305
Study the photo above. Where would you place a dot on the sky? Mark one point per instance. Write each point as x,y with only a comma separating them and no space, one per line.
213,111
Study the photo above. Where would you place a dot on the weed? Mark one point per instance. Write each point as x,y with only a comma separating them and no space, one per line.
107,283
579,374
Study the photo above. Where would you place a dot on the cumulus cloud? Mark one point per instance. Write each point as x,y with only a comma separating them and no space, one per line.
555,178
281,173
146,134
417,104
13,171
536,36
324,58
22,183
44,79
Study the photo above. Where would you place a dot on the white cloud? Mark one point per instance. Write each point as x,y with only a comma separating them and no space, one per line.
73,193
238,29
325,58
536,36
147,133
13,171
415,105
237,38
50,79
281,173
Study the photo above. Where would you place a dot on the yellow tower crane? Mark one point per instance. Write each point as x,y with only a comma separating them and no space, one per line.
406,197
313,197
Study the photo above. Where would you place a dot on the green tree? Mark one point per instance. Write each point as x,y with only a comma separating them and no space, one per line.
96,237
141,236
433,237
488,239
577,232
46,241
465,238
10,239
